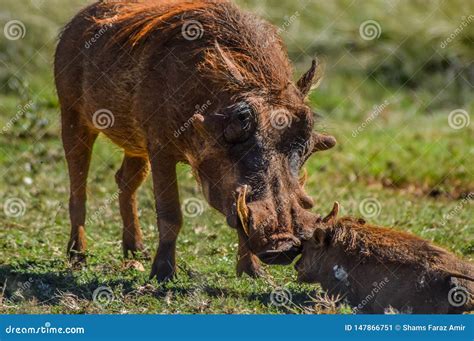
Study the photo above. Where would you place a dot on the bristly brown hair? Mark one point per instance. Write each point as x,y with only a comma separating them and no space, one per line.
251,47
386,244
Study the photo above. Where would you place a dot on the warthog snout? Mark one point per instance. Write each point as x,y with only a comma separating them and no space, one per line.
274,232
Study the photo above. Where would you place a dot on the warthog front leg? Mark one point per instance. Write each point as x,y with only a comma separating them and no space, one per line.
168,215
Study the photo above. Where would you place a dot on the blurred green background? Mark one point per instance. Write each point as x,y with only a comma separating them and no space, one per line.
397,94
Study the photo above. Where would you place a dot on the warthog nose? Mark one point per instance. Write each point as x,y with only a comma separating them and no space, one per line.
284,255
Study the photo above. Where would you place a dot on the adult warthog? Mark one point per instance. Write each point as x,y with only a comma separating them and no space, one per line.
137,71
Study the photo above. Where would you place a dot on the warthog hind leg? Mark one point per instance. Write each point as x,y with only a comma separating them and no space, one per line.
78,141
131,175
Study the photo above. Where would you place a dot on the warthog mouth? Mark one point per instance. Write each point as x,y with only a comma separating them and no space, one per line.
282,251
280,256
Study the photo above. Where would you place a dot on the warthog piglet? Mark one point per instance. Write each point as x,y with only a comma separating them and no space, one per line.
377,269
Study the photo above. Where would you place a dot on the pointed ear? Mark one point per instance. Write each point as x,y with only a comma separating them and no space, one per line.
310,79
319,237
322,142
234,74
331,217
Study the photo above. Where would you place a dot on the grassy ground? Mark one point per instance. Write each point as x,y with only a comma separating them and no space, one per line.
404,157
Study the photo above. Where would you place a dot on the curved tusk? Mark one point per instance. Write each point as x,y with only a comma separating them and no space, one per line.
242,209
303,177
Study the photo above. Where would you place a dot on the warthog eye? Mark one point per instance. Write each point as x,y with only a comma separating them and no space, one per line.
241,123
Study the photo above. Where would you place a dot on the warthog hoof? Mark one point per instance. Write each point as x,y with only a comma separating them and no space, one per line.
250,266
77,260
162,271
136,251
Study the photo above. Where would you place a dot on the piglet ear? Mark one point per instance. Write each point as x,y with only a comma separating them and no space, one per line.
310,79
319,236
331,217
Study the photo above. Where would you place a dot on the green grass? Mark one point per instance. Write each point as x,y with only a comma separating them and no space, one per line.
408,159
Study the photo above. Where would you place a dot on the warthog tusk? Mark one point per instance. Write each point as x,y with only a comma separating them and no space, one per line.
242,209
303,177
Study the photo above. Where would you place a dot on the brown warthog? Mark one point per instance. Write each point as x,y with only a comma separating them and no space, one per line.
137,71
377,268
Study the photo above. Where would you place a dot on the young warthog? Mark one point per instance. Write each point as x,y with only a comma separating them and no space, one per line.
377,268
198,82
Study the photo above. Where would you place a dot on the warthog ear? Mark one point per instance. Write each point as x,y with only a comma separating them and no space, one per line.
322,142
319,237
310,79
